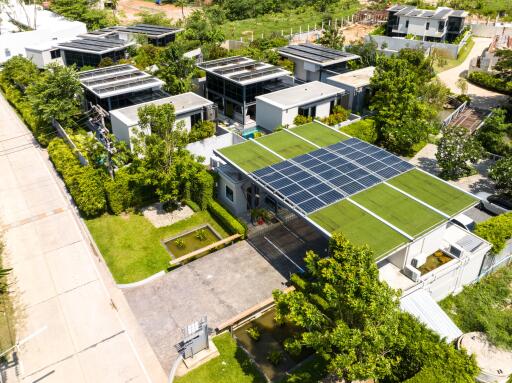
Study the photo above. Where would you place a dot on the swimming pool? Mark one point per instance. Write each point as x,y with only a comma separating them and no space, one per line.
249,132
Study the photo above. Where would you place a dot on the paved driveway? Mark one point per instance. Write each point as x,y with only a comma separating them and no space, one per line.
58,282
219,285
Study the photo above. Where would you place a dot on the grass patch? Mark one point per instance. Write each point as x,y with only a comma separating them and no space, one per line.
286,144
131,245
7,317
485,306
319,134
398,209
249,156
232,366
452,63
275,23
433,191
359,227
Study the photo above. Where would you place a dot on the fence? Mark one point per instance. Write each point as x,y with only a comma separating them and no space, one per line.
455,114
62,133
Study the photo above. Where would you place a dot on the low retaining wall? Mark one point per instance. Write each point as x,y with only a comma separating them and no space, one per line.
450,51
491,29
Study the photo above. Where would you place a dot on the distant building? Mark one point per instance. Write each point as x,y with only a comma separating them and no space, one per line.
488,59
119,86
155,34
440,25
315,62
233,83
313,99
357,85
189,108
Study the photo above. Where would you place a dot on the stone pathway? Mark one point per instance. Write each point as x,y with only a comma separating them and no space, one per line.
160,218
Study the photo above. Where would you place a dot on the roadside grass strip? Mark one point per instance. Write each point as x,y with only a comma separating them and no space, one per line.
399,210
319,134
250,156
434,192
359,227
286,144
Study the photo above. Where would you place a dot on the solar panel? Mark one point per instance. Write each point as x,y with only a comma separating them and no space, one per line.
223,61
311,205
320,189
308,182
291,189
315,53
238,67
330,197
257,73
301,196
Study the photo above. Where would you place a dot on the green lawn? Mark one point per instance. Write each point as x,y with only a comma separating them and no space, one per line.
232,366
319,134
433,191
275,23
398,209
452,63
286,144
131,245
485,306
250,156
359,227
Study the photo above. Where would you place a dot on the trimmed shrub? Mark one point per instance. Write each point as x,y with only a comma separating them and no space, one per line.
339,114
201,188
365,130
201,130
191,204
497,230
301,120
488,81
230,223
120,191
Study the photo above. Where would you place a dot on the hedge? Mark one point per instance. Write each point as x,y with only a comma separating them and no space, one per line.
230,223
201,188
362,129
488,81
194,206
83,182
497,230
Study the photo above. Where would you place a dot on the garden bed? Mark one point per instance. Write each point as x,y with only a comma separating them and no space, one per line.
438,259
191,240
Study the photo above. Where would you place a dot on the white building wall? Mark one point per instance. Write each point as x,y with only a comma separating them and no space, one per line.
239,204
289,115
323,109
205,148
42,58
268,116
121,130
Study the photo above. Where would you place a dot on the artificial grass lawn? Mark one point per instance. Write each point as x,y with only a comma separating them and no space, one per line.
433,191
319,134
286,144
231,366
131,245
359,227
398,209
249,156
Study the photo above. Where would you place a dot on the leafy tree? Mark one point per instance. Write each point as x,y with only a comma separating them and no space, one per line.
147,55
199,26
367,50
175,69
456,151
347,315
201,130
153,18
82,10
56,94
332,38
501,174
462,84
182,4
20,72
497,230
493,133
504,64
105,62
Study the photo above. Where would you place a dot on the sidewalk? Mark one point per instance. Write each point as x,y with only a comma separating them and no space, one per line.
59,282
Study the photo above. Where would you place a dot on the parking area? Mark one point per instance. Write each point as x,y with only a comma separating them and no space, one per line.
220,286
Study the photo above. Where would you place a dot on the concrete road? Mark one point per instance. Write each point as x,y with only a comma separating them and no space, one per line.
58,281
481,98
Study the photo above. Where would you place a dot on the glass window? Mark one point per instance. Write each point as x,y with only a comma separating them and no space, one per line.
55,53
428,26
407,23
229,193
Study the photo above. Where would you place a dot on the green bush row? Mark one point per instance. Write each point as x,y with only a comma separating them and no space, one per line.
488,81
229,222
339,114
365,130
83,182
497,230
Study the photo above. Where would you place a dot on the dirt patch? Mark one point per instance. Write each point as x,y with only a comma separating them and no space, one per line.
356,32
128,10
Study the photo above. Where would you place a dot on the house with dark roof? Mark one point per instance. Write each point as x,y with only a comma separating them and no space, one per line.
155,34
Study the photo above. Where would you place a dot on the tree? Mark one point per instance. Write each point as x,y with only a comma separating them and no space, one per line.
199,26
501,174
201,130
154,18
332,38
366,50
20,72
504,64
82,10
182,4
175,69
456,151
494,131
462,84
56,94
347,315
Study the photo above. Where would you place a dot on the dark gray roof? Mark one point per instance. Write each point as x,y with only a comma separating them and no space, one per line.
458,13
317,53
443,13
150,30
92,44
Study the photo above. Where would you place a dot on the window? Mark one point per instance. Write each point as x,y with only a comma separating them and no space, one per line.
195,118
441,26
407,23
7,52
229,193
55,53
427,26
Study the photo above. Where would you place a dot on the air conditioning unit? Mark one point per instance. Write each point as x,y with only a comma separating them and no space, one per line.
455,250
412,273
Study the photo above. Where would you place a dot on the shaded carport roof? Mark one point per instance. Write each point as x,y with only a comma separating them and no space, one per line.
348,186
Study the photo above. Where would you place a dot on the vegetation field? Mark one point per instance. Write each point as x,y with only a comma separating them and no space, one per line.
131,245
358,226
485,306
433,191
249,156
286,144
232,366
288,21
319,134
398,209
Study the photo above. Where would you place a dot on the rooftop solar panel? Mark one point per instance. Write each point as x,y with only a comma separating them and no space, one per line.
107,70
257,73
442,14
126,85
223,61
105,80
238,67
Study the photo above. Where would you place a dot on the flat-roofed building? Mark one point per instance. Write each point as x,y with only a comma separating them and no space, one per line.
90,50
155,34
315,62
313,99
119,86
189,108
357,85
233,83
442,24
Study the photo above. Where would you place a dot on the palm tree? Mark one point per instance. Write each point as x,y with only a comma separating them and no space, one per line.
182,4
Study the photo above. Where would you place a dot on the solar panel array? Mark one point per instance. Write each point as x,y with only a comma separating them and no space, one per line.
104,71
150,30
149,81
222,62
314,180
256,73
238,67
114,77
315,52
94,44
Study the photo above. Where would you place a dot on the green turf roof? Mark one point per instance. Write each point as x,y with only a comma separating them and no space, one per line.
319,134
398,209
359,227
286,144
434,192
249,156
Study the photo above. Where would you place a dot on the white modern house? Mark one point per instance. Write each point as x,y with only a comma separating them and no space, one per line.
313,99
189,109
38,35
357,85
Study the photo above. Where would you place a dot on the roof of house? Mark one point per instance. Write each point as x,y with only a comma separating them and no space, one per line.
317,54
183,103
153,31
340,183
356,78
243,70
441,13
95,45
300,95
117,79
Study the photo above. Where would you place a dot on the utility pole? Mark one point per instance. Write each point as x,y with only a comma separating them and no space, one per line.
97,120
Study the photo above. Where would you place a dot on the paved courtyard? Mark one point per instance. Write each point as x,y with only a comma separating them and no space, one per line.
219,285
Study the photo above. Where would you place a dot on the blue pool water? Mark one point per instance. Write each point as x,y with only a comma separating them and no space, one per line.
249,133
